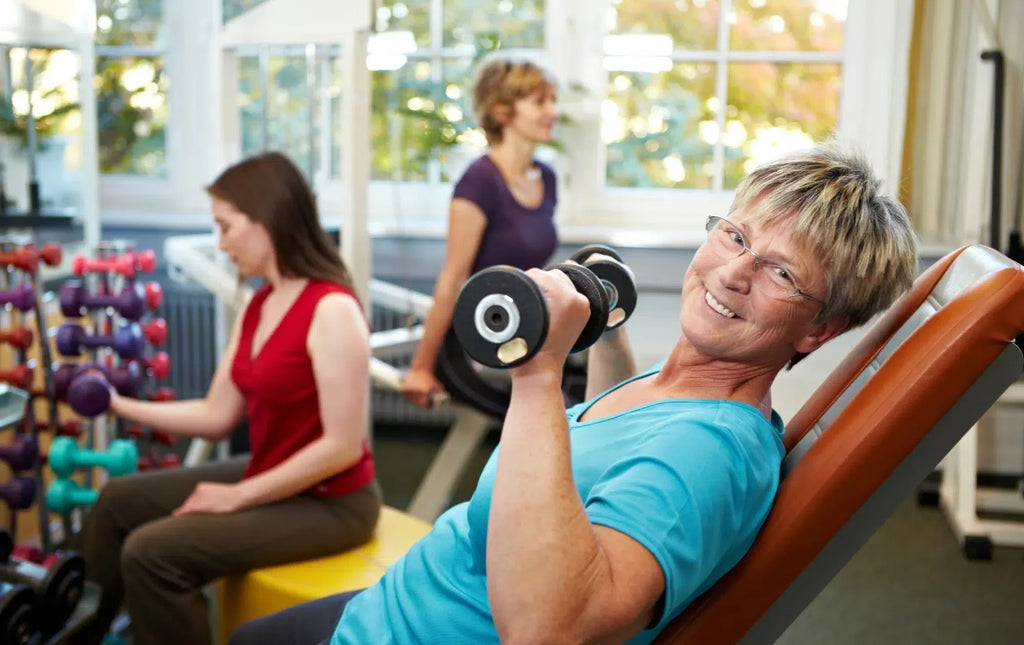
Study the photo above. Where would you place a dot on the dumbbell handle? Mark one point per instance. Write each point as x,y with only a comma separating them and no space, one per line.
20,337
65,456
121,264
20,376
65,494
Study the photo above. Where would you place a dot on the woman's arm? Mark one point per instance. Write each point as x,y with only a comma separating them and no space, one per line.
339,347
212,417
551,574
609,362
466,225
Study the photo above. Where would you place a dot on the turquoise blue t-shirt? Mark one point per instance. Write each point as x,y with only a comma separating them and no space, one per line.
692,480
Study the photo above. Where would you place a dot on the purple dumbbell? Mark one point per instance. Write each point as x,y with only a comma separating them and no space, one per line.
127,340
130,302
62,379
19,493
22,453
89,391
23,297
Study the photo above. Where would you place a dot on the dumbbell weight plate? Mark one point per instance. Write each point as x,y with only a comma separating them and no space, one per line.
588,284
18,614
616,278
500,317
63,587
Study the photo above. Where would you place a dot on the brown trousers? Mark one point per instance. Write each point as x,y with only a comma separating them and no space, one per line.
158,564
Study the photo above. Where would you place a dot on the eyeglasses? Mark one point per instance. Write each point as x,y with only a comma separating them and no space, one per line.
776,280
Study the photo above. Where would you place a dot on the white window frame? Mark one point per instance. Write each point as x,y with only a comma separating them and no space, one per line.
871,114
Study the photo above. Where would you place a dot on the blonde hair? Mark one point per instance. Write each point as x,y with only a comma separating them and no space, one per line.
863,238
499,82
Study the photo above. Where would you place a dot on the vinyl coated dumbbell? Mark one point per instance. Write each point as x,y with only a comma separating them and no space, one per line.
616,278
21,297
65,456
126,340
501,317
131,302
20,376
63,495
19,493
21,453
17,337
19,614
26,259
88,392
58,586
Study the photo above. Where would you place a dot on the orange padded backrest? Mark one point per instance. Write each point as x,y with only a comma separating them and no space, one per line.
876,430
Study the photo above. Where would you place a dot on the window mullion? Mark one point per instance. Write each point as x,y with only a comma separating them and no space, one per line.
721,94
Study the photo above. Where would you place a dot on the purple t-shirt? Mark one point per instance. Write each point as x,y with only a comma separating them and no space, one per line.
515,235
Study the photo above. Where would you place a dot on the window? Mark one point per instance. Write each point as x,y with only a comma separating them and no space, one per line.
701,91
131,87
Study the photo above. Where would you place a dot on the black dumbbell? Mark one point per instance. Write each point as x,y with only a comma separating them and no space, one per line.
19,614
616,278
501,317
59,586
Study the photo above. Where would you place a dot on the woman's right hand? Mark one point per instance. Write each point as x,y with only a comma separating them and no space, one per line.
419,386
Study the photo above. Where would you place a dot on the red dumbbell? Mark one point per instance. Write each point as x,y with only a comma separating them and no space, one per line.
155,331
20,377
25,259
162,394
20,337
125,266
28,552
154,295
159,364
144,261
50,254
70,428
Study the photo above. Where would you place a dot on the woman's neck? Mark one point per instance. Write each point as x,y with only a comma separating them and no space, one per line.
689,372
513,156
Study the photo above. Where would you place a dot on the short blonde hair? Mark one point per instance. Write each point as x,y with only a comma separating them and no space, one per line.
863,238
500,81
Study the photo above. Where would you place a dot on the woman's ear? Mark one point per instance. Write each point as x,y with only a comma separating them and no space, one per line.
820,334
502,114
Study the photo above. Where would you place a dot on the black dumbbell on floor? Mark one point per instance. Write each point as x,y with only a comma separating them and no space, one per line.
501,317
19,614
58,587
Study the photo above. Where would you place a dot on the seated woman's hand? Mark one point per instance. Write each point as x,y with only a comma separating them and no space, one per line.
419,387
211,497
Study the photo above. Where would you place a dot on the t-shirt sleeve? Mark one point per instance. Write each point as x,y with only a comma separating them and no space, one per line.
684,496
479,185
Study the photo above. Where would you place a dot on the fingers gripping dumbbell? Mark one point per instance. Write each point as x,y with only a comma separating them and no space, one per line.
616,278
131,302
501,317
121,457
88,391
126,340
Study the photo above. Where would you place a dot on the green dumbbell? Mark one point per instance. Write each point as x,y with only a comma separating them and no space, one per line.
121,458
64,495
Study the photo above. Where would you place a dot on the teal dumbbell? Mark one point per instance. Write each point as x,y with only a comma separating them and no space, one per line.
64,495
121,458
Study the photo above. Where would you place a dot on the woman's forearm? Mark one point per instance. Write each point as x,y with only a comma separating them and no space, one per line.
609,362
541,548
190,418
311,465
436,325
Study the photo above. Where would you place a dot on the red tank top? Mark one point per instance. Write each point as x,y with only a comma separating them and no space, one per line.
280,390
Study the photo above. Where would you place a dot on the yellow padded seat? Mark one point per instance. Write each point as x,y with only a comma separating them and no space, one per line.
265,591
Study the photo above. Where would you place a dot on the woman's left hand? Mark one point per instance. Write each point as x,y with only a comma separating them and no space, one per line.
211,497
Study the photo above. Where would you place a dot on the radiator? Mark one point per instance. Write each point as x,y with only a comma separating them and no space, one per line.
191,344
191,339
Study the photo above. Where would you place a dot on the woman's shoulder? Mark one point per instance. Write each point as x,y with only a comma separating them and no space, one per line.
480,168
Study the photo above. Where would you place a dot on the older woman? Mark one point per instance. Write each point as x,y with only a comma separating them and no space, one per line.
603,522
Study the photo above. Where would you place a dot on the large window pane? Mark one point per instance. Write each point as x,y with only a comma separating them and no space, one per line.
502,23
131,97
404,127
655,127
774,108
405,15
788,25
128,22
691,24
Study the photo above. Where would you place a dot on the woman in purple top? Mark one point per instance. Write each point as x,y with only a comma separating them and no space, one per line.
503,206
